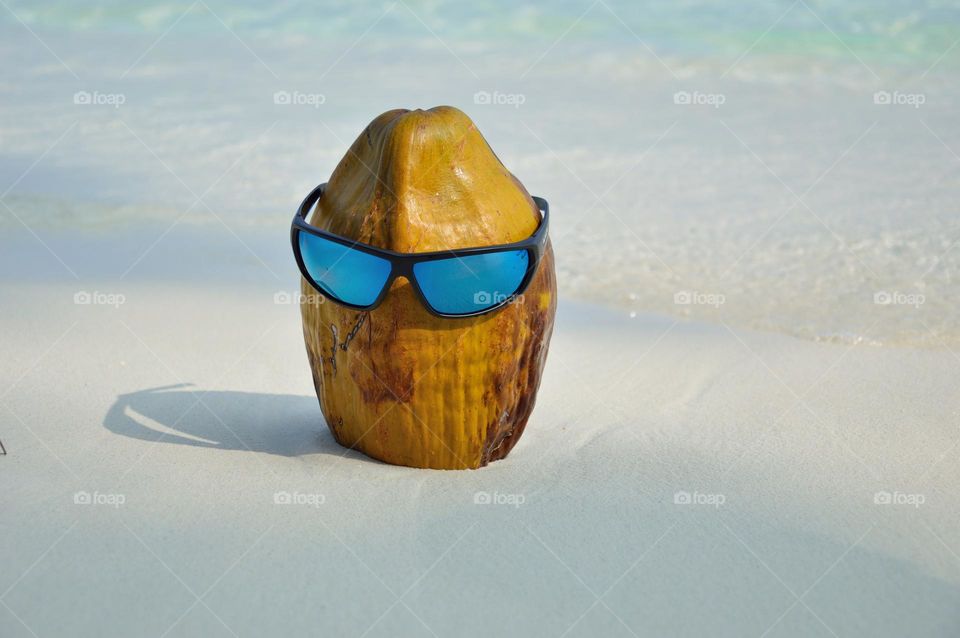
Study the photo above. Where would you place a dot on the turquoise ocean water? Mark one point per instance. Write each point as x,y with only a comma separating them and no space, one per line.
787,166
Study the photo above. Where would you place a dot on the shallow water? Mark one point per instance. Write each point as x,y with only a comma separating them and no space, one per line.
786,196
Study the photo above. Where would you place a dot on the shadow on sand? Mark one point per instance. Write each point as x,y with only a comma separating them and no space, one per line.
282,424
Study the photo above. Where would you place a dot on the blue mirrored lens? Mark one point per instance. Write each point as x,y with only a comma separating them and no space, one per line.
473,283
344,273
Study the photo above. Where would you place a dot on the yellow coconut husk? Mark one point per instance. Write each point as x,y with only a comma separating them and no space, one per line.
398,383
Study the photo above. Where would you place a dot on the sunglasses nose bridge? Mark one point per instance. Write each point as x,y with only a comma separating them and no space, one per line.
403,289
400,276
402,269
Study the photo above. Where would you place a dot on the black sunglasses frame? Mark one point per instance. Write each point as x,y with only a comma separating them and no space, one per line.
401,264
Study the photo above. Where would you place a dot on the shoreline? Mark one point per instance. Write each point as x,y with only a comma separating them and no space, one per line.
111,259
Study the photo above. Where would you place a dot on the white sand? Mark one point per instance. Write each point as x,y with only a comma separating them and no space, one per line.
794,437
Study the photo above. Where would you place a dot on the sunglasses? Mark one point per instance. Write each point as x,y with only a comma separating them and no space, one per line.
463,282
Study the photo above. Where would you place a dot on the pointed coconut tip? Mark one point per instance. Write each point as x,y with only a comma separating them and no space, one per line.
422,180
